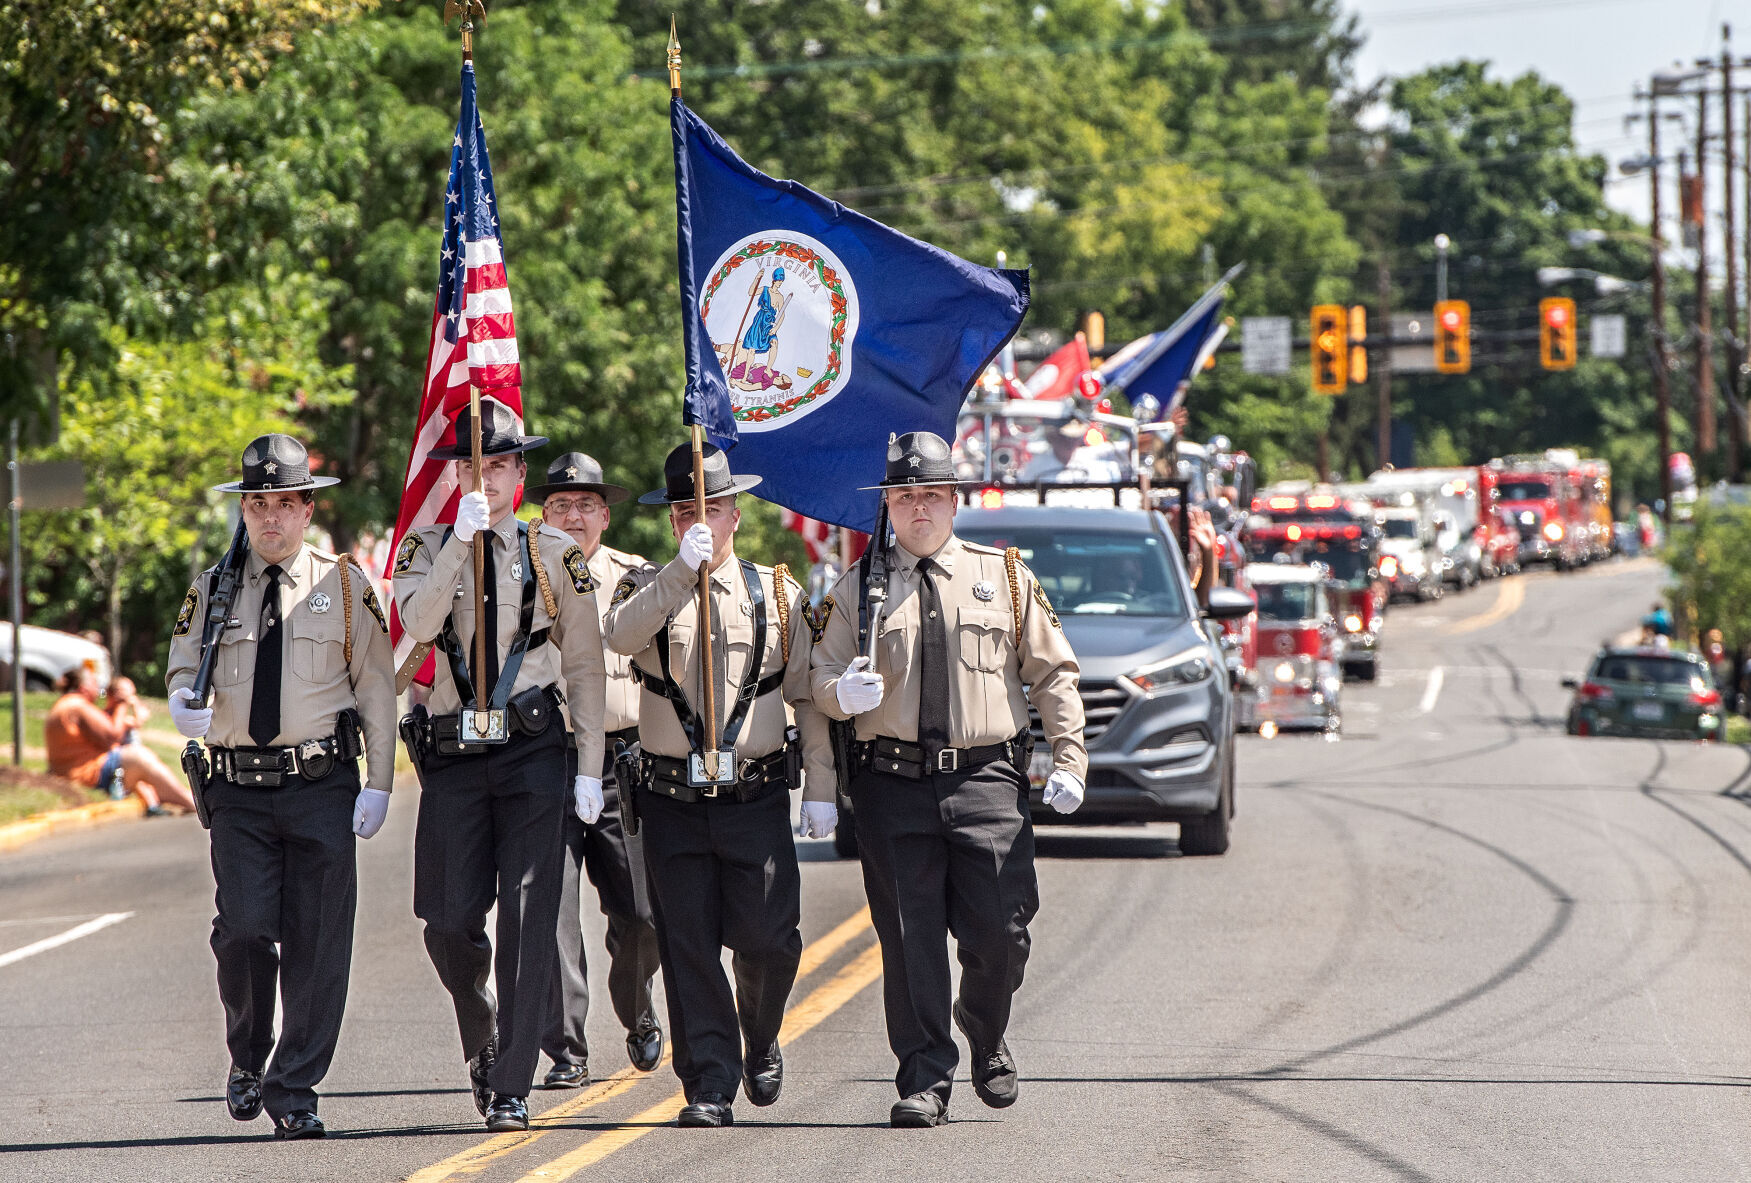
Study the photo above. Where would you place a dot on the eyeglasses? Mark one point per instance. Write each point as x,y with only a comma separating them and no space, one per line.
564,506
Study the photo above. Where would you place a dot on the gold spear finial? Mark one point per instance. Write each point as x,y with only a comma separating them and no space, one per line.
674,59
470,11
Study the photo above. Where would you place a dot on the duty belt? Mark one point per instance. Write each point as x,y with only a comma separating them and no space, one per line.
911,760
267,768
667,777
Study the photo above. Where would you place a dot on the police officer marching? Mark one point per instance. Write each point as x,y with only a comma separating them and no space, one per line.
575,500
300,666
941,795
715,815
494,774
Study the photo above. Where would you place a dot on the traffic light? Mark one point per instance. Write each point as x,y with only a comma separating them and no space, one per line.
1330,347
1452,336
1358,353
1556,333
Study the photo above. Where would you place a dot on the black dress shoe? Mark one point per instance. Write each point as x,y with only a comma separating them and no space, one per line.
566,1076
644,1047
507,1113
710,1109
479,1068
300,1123
243,1094
994,1075
763,1075
920,1111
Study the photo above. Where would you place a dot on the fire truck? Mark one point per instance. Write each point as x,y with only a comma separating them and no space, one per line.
1341,535
1300,650
1542,500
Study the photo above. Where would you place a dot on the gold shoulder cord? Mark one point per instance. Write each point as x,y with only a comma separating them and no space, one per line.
781,573
1012,564
547,601
346,600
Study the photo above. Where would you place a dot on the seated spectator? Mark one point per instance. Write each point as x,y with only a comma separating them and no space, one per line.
121,702
88,747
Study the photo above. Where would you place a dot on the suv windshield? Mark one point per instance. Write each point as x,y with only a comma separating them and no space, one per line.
1400,528
1664,671
1093,572
1285,601
1523,490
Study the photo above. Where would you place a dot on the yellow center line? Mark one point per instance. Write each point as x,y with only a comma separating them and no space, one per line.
477,1158
865,969
1508,602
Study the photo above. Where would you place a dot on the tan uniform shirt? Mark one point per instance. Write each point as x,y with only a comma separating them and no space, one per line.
988,666
434,578
648,598
608,567
316,683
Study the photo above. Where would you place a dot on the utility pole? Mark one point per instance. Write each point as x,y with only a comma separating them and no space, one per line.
1662,391
1735,348
1705,378
1383,369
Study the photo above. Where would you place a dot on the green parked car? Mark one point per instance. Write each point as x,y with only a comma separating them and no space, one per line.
1646,692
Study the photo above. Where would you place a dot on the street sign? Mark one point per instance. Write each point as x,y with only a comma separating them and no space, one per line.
1417,358
1266,344
51,484
1608,335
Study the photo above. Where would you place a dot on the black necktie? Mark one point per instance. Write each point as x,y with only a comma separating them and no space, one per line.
264,701
490,615
932,666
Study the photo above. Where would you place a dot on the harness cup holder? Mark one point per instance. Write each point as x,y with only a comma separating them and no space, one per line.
715,768
482,726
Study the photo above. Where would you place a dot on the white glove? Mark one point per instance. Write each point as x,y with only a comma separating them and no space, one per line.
819,818
696,545
1063,791
192,721
472,516
587,798
369,812
860,688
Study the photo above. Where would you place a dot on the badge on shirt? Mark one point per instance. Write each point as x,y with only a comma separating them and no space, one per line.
320,602
623,590
409,547
817,619
186,617
578,568
376,610
1046,605
984,590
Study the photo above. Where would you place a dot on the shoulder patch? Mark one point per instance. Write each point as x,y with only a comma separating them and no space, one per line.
185,619
410,546
1046,605
376,609
623,590
578,568
817,618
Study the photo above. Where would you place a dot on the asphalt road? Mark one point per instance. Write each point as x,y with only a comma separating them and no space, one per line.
1454,944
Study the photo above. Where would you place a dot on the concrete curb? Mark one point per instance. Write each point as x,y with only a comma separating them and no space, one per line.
41,825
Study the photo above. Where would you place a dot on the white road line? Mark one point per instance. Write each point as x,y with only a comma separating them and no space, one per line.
72,934
1436,677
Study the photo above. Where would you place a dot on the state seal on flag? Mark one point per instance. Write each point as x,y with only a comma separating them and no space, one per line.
781,311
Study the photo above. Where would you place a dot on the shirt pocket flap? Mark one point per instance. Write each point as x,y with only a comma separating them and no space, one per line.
984,639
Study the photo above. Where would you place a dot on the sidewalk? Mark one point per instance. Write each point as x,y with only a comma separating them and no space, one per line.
41,825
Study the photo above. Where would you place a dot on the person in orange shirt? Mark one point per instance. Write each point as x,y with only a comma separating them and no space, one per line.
87,747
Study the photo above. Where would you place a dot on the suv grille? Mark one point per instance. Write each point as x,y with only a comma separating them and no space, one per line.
1101,704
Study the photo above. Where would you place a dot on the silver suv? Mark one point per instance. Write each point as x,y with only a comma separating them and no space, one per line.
1160,726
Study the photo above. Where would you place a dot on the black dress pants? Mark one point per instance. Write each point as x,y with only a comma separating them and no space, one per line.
723,875
491,829
952,853
599,851
287,886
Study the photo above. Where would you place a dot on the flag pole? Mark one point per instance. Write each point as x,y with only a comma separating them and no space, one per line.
481,538
708,695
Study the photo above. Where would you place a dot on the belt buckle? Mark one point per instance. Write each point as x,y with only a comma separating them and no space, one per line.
713,770
709,790
948,760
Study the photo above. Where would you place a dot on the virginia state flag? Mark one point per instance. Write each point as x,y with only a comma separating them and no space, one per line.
812,331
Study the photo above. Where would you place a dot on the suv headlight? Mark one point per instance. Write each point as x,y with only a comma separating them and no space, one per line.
1182,669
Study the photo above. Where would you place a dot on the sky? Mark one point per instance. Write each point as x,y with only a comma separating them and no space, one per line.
1596,50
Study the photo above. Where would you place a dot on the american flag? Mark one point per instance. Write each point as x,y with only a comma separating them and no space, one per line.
474,340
